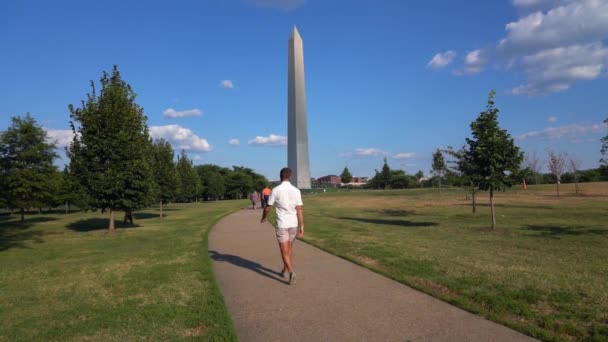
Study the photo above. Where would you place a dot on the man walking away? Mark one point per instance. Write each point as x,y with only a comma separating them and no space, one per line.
287,200
255,197
265,195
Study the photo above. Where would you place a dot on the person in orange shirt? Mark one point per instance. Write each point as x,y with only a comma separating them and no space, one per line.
265,195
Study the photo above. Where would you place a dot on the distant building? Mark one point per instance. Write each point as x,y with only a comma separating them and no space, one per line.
333,181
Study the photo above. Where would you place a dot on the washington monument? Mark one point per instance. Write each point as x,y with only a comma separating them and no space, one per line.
297,127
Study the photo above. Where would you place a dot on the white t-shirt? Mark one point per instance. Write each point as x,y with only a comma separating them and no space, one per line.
285,198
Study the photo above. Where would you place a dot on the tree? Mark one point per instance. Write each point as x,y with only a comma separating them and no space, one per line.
385,174
492,154
604,150
26,165
346,177
164,172
188,179
438,166
533,163
556,166
574,167
110,152
419,175
463,165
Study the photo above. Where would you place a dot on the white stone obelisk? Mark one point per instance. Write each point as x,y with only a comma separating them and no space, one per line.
297,127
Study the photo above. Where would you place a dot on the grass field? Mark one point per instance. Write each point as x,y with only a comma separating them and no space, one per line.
63,278
544,271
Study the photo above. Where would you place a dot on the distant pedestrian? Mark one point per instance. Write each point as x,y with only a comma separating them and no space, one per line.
265,196
255,198
287,200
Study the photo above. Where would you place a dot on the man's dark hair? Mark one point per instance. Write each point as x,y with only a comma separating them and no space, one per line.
285,173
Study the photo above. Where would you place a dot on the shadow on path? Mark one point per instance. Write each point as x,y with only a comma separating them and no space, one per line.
248,264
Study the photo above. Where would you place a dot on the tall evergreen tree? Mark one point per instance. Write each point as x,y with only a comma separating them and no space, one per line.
26,165
346,177
188,179
385,174
492,153
110,152
164,172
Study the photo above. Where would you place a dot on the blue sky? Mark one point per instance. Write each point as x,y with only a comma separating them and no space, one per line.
387,78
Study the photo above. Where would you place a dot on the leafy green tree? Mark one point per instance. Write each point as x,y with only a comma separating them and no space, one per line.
188,179
438,166
164,172
399,179
346,177
110,152
464,167
604,150
26,165
492,153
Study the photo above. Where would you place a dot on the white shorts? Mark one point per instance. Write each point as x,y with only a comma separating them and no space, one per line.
286,234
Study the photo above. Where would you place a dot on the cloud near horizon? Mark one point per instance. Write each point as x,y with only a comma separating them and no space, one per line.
234,142
60,137
271,140
180,138
570,131
173,114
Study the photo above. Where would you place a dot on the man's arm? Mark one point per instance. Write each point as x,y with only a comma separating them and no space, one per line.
300,212
265,213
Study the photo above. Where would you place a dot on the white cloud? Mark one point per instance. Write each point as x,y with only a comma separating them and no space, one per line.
365,152
271,140
576,22
556,69
283,4
172,113
227,84
570,131
442,59
552,119
474,62
61,137
405,155
234,142
180,137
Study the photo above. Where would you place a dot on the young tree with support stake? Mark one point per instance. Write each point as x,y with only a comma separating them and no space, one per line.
492,154
438,166
557,162
110,153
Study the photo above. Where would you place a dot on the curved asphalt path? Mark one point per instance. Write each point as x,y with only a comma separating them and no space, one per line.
333,300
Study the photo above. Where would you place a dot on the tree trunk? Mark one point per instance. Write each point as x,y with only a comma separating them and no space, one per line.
161,209
492,208
67,207
557,189
474,202
111,226
22,211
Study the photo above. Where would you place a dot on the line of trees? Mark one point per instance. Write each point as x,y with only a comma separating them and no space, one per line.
114,164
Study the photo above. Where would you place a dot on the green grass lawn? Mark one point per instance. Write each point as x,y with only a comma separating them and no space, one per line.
63,278
544,271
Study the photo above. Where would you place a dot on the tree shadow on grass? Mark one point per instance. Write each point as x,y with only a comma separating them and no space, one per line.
513,206
556,231
15,234
97,223
391,212
248,264
400,223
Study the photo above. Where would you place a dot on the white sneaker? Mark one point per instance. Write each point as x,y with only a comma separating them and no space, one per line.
292,278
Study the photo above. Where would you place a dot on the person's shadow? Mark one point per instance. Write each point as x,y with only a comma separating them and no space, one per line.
248,264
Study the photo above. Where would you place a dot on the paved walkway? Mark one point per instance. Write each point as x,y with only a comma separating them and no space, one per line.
333,300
